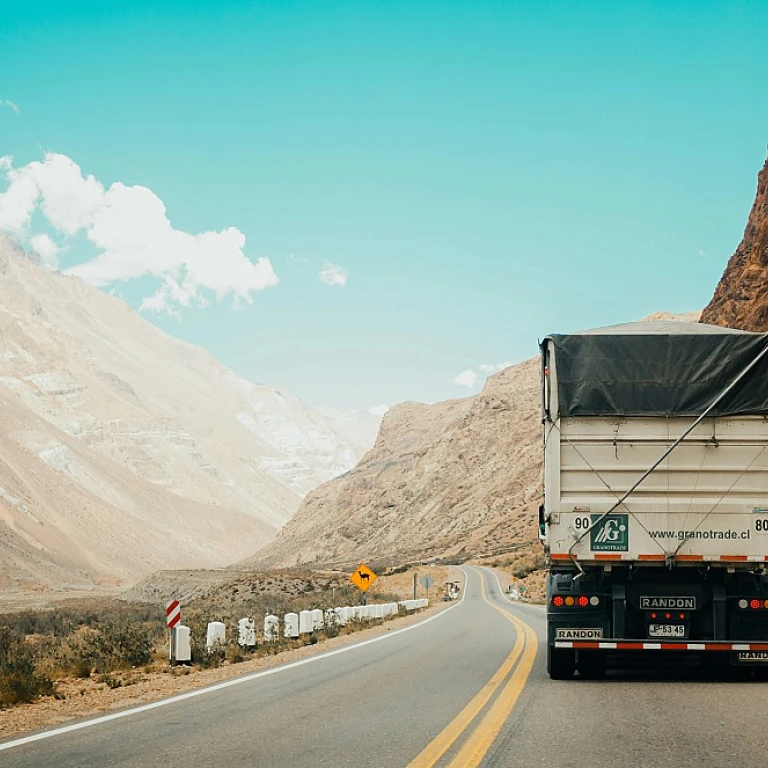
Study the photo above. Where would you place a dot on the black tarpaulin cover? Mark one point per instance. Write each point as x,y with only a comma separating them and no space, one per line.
659,369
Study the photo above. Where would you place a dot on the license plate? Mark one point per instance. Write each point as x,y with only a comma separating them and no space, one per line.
666,630
759,657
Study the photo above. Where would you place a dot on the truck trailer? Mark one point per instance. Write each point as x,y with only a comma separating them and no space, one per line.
655,511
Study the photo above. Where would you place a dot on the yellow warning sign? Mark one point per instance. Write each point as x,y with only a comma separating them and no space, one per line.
363,577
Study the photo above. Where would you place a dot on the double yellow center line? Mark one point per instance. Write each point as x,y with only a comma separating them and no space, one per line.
480,740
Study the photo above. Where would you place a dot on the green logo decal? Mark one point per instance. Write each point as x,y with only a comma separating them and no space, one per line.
610,535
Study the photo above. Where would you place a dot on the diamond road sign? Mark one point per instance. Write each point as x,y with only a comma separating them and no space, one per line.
363,577
426,581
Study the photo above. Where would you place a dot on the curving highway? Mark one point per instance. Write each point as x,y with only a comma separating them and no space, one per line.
467,687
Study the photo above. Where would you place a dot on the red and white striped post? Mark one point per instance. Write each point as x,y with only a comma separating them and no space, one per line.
172,618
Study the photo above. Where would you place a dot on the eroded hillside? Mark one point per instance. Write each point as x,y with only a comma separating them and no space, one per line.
741,297
123,450
451,479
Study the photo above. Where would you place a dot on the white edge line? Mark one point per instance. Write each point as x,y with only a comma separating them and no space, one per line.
225,684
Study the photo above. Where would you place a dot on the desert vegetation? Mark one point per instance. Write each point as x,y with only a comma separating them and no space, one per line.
116,643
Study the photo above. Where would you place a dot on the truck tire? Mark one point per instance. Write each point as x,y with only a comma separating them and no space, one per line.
561,664
592,665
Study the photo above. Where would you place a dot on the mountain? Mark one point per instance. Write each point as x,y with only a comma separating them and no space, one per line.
123,450
741,297
450,479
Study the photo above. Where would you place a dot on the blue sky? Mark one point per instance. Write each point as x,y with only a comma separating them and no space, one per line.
484,173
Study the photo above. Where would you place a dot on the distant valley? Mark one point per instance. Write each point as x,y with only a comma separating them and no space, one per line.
123,450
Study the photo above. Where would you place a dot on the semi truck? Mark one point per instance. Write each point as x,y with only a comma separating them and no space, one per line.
655,512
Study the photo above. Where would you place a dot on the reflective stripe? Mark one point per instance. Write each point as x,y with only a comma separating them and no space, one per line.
661,558
618,645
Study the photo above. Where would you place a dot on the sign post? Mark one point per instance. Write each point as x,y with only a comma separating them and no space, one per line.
172,618
426,582
363,579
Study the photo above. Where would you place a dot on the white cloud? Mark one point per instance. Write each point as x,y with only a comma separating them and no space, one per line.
378,410
489,368
467,379
332,274
46,249
129,227
18,202
471,378
8,103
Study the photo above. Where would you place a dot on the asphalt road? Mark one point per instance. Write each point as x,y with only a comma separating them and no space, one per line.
469,687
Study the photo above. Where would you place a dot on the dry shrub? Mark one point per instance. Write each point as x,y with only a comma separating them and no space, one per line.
19,681
104,649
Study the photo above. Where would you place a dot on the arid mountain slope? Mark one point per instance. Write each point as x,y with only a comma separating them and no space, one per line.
123,450
446,479
741,297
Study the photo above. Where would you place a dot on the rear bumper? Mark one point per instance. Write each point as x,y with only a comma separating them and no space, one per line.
645,645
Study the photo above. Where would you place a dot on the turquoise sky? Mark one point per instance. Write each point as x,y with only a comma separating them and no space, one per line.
485,172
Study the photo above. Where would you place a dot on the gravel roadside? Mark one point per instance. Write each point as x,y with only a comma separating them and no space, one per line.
82,698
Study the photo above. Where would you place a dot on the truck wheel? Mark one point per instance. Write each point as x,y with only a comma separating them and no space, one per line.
561,664
592,665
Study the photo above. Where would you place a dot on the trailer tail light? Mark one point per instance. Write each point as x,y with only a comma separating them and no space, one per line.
682,617
654,616
755,604
667,616
581,601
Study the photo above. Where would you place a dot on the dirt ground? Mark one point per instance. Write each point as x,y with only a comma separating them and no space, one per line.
80,698
401,584
15,600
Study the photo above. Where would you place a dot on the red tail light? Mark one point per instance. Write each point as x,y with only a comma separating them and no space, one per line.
755,604
667,615
682,617
653,615
583,601
558,601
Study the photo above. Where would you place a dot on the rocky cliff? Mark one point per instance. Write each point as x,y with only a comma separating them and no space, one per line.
741,297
